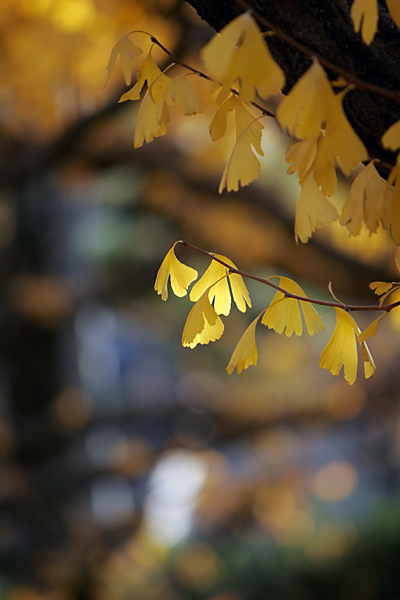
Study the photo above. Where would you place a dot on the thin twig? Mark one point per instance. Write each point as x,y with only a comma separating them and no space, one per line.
180,62
347,307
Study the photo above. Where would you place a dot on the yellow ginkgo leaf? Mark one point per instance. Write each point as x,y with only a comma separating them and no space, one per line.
300,157
128,54
377,204
380,287
216,277
369,364
340,138
245,352
284,312
378,208
240,53
394,314
148,71
339,142
395,208
218,54
239,291
313,210
368,181
384,290
181,93
305,109
244,120
353,210
312,104
394,10
203,325
181,276
147,122
364,14
342,348
312,319
243,167
371,330
392,217
218,124
324,168
391,137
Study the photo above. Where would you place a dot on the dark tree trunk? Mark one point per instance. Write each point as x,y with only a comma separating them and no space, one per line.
325,28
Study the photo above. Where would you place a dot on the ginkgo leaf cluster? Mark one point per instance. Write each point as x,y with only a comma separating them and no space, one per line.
239,61
212,296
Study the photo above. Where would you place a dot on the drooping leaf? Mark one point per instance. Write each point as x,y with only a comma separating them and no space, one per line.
181,276
243,120
369,364
339,142
239,291
371,330
128,54
395,207
239,53
181,93
148,125
220,293
353,210
342,348
214,279
300,156
324,167
313,210
312,319
305,109
394,10
218,124
243,167
203,325
391,137
340,138
148,71
312,105
283,314
364,14
377,204
245,352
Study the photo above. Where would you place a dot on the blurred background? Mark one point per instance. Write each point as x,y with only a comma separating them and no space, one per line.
132,468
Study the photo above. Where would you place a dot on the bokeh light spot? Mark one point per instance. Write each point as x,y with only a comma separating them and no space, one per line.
334,481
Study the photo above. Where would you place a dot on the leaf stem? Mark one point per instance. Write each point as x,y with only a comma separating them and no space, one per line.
180,62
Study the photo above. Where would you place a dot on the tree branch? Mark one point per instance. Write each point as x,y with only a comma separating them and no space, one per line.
324,28
346,307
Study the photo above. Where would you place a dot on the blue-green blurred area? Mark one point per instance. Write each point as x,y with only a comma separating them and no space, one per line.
134,469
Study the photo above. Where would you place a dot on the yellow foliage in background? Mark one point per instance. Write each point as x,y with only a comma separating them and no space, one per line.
53,57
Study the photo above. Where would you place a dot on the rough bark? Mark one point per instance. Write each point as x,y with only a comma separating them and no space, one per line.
325,27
